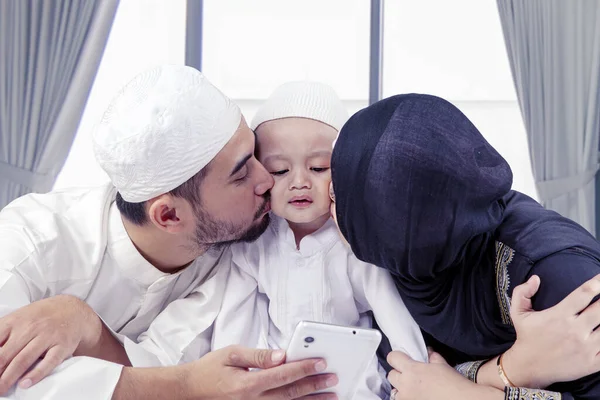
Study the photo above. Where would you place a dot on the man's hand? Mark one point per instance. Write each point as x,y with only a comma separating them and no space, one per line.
555,345
227,371
50,329
224,374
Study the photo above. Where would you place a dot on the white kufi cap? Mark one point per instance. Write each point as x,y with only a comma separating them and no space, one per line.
161,129
303,99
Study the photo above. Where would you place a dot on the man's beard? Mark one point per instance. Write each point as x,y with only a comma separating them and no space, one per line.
211,233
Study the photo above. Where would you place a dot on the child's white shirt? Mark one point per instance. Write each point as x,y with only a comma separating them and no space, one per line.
273,285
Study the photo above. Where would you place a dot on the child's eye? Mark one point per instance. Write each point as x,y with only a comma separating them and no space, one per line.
279,173
322,169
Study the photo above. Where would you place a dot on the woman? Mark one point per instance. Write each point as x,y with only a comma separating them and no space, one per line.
420,192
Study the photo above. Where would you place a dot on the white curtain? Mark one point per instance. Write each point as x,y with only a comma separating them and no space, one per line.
554,52
50,51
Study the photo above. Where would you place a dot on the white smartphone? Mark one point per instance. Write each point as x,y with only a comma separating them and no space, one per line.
347,350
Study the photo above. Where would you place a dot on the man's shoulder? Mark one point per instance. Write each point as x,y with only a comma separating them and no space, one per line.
46,213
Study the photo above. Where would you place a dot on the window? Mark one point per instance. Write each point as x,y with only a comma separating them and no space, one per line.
456,50
451,49
251,47
145,33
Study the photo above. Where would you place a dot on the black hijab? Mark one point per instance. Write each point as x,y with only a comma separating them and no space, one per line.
421,193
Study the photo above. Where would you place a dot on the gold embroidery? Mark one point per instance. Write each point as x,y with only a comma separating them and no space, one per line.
511,393
504,256
470,369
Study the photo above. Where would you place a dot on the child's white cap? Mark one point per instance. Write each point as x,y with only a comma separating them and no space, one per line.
303,99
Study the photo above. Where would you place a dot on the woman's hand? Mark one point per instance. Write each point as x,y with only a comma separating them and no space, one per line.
434,380
555,345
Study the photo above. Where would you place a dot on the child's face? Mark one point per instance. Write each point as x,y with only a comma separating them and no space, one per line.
297,152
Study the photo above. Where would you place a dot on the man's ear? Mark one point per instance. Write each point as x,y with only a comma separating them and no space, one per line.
166,213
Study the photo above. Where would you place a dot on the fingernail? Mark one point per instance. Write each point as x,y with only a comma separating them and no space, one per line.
25,384
331,381
277,356
320,366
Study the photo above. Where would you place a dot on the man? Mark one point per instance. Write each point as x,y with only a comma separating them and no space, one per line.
185,184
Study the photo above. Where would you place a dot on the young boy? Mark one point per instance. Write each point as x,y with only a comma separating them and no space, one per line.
300,269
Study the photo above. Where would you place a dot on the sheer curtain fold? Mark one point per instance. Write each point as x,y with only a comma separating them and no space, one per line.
554,51
50,51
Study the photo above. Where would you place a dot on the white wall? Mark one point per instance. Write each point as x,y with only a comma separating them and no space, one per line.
451,49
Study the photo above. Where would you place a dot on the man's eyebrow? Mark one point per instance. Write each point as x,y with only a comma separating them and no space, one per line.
240,165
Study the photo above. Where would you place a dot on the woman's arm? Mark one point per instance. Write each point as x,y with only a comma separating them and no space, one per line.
553,345
437,380
559,344
434,380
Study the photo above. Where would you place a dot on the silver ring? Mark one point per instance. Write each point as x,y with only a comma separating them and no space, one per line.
393,394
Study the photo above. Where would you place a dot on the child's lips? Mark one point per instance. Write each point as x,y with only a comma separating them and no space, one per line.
300,201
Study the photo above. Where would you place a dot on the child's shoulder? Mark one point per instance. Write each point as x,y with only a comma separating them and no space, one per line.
254,254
